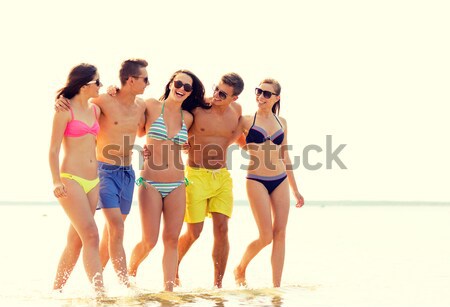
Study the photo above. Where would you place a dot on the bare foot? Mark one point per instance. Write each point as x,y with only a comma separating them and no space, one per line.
177,282
132,273
169,286
239,277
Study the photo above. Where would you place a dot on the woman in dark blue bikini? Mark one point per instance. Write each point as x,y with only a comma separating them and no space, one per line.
267,188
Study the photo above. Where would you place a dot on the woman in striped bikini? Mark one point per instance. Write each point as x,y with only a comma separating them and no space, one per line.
162,189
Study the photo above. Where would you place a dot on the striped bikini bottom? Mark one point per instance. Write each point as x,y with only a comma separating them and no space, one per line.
164,188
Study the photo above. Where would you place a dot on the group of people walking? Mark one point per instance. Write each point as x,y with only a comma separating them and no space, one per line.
97,133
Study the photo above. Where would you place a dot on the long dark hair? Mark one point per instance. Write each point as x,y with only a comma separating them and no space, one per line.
79,76
277,88
197,96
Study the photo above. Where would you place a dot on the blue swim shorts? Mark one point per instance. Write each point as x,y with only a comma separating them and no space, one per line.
116,186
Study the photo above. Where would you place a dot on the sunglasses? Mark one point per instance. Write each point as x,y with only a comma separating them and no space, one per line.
145,79
178,84
222,94
266,94
96,82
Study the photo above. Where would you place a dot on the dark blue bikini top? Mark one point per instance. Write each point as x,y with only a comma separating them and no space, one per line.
258,135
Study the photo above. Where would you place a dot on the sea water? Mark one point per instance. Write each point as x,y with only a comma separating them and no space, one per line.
337,254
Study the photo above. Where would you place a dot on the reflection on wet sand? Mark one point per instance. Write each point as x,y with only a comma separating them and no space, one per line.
217,298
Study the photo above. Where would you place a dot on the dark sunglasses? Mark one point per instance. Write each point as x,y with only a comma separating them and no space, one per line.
96,82
179,84
222,94
145,79
266,94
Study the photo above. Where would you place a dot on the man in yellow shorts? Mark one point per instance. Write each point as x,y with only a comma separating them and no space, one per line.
211,191
210,188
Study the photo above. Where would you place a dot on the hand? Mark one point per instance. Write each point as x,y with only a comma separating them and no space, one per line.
208,101
146,153
62,104
300,200
185,147
112,90
60,191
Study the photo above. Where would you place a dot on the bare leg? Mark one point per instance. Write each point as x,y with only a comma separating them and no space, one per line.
68,259
221,247
150,207
280,210
104,247
173,210
260,204
78,208
185,242
115,225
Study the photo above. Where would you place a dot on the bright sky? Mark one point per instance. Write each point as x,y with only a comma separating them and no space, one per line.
373,75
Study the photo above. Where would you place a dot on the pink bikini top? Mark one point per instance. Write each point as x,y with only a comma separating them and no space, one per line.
76,128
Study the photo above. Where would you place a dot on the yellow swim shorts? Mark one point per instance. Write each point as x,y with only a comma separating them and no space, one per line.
209,190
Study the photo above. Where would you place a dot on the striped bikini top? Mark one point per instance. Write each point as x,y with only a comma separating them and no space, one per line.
158,130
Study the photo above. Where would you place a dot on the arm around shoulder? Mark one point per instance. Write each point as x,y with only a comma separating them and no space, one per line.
239,135
99,101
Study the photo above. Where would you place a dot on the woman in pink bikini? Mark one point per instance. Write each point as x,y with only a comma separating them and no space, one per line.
75,179
269,177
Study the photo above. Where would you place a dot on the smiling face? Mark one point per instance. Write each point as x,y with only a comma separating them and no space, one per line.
181,87
140,81
92,87
264,91
222,94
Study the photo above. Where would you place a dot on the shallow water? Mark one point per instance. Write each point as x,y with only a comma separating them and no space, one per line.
345,254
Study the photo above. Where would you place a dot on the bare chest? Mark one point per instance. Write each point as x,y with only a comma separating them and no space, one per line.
215,124
125,119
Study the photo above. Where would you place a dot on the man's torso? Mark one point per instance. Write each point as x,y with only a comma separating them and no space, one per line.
211,134
118,126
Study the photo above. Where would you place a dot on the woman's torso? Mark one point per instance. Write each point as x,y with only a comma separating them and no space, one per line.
79,143
166,133
264,138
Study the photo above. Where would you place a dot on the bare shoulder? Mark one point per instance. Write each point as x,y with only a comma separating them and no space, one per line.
140,101
200,110
195,110
283,121
152,102
97,108
236,107
246,121
102,100
187,115
63,115
247,118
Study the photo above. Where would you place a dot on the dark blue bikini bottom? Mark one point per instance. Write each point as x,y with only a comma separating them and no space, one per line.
269,182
